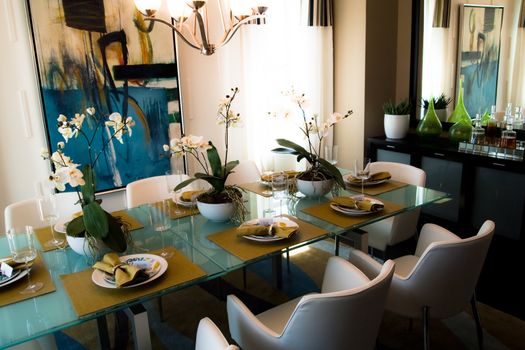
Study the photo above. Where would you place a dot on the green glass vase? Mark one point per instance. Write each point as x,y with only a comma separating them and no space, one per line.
429,126
460,111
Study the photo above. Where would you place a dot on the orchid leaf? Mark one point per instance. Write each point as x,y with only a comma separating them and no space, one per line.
76,228
229,167
116,239
216,182
282,150
332,170
215,160
88,190
296,150
95,220
184,183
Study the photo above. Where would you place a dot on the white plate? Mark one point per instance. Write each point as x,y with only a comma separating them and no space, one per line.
366,183
98,277
61,224
288,222
356,212
179,201
14,279
7,279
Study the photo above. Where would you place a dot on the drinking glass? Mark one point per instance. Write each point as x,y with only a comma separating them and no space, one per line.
47,206
331,154
161,221
267,169
280,189
21,242
362,172
173,178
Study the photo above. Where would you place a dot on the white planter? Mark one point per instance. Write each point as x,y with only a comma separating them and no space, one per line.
217,212
396,126
314,188
80,246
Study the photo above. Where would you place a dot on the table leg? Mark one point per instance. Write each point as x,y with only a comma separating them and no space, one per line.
277,269
103,335
138,317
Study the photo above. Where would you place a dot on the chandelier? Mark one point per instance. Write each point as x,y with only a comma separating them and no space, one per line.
190,19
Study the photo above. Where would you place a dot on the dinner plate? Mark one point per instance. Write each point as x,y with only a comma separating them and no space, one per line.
12,279
179,201
5,279
269,238
144,260
356,212
365,183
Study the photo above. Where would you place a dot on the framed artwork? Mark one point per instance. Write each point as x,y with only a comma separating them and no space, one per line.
103,54
479,55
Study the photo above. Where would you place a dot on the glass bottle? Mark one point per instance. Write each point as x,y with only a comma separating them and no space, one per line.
460,110
429,126
492,132
508,136
477,136
485,118
518,118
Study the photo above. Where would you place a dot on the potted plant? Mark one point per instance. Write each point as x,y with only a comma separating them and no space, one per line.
397,119
320,175
440,106
95,227
220,202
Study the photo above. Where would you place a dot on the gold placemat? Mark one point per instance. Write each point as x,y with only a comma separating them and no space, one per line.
246,250
43,234
87,297
133,223
257,187
10,294
324,212
377,189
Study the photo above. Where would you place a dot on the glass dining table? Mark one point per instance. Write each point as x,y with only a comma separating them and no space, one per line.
35,317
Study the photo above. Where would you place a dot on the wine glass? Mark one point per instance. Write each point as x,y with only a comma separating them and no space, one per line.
362,172
161,221
267,169
21,242
173,178
331,154
47,206
280,189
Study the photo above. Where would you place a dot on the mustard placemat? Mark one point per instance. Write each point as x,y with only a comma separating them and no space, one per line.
10,294
324,212
257,187
179,211
133,224
246,250
43,234
377,189
87,297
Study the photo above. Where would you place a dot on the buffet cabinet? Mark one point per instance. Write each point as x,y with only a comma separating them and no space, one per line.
480,187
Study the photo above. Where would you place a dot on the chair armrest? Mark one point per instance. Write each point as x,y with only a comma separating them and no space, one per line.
245,328
431,233
365,263
340,275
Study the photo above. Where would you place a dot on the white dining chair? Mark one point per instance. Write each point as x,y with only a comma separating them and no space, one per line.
151,189
210,337
439,279
346,314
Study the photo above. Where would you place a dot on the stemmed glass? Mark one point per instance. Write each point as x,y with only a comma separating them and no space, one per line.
47,206
280,189
161,222
362,172
173,178
267,168
22,246
331,154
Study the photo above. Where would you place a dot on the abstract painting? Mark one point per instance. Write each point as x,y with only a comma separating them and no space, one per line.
478,55
103,54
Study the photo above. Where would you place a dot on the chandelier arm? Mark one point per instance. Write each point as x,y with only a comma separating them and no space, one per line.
174,29
230,33
205,45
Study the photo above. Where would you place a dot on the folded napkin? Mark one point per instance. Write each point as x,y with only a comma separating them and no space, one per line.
363,204
279,229
289,174
188,196
124,274
382,175
15,265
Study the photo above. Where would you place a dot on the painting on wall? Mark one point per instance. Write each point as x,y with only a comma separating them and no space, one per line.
103,54
479,55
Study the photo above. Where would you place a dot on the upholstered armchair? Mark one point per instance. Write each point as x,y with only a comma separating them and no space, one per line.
209,337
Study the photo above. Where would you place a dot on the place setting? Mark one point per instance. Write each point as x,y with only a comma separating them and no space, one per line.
368,182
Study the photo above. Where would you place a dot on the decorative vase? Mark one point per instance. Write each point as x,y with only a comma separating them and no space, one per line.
218,212
462,128
396,126
429,126
314,188
81,246
460,111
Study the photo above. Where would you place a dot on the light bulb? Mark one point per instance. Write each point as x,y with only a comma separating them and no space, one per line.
148,6
178,8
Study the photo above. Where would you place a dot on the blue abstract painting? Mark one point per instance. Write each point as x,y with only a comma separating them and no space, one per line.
102,54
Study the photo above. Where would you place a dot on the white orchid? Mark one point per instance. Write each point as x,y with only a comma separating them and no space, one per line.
90,111
119,127
226,115
75,176
77,120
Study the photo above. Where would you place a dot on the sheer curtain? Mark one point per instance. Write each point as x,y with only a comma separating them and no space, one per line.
272,58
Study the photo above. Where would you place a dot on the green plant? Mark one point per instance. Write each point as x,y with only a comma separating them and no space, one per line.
401,108
214,170
439,103
95,223
314,132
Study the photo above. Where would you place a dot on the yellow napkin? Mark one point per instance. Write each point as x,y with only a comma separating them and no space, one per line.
289,174
350,203
382,175
188,196
124,274
15,265
278,229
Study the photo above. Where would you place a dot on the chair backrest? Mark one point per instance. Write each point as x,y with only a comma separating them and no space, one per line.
27,212
444,277
404,225
150,190
209,337
344,319
243,173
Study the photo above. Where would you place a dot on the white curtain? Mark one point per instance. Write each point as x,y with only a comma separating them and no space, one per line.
273,58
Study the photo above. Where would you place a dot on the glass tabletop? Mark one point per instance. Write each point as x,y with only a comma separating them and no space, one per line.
45,314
